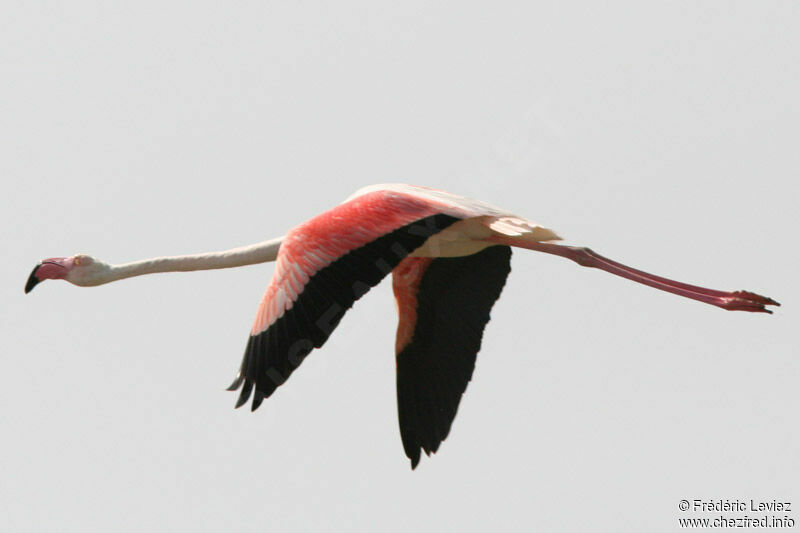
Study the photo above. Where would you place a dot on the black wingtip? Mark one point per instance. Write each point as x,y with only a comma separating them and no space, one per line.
32,279
258,397
245,394
236,383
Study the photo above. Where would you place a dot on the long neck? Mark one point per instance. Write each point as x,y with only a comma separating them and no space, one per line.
261,252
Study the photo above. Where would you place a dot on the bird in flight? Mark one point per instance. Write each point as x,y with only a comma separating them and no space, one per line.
449,257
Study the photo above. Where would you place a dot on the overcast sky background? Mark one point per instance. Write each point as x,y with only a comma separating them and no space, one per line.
661,134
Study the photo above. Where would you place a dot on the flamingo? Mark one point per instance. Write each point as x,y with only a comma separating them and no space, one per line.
449,257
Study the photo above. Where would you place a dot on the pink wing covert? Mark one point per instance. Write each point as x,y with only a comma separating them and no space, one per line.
318,242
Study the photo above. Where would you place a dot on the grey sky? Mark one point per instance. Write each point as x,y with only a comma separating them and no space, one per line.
661,134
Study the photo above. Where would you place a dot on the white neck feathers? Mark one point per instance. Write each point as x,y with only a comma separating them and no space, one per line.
261,252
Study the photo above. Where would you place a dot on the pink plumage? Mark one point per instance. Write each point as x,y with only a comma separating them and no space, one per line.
318,242
406,278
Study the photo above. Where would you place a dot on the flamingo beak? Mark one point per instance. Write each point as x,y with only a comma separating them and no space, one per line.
56,268
32,279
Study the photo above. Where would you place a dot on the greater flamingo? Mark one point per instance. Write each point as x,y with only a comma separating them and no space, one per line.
449,257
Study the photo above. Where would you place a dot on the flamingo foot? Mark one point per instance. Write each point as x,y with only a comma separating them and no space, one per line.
748,301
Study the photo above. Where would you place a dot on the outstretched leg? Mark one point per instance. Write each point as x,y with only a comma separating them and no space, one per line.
732,301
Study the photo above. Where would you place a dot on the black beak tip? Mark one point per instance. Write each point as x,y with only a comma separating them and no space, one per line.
32,280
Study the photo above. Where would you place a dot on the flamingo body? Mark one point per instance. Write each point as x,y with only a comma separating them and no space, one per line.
429,240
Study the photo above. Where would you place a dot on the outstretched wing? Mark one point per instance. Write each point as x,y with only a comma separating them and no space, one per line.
444,305
324,265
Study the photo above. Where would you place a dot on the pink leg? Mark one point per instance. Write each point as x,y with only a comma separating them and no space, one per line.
732,301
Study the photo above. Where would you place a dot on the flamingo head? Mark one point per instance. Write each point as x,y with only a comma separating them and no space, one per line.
82,270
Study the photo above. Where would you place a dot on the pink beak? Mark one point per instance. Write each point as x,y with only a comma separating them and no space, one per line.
53,268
